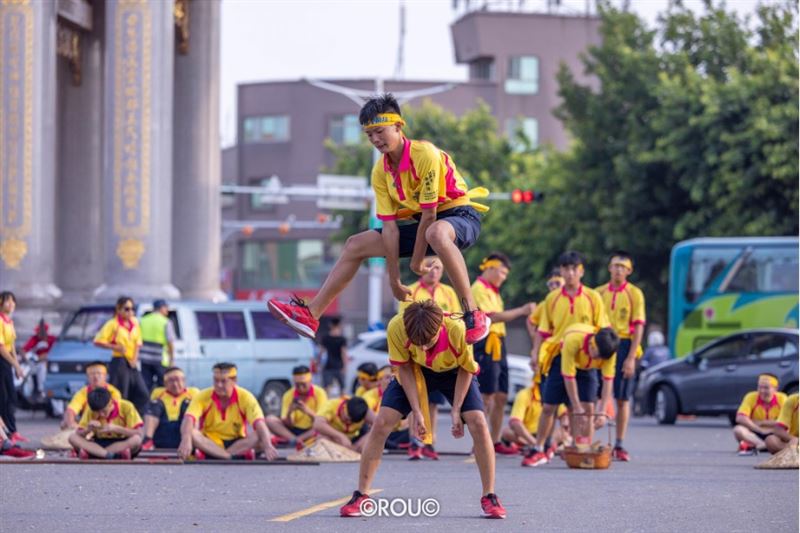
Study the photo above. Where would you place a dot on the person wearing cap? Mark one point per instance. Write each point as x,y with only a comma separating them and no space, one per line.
490,353
96,378
164,414
342,420
785,431
412,180
367,375
300,405
758,414
215,424
158,344
109,428
624,304
573,381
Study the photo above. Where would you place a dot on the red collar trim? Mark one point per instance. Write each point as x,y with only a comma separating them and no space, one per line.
488,285
309,394
218,401
617,289
565,293
405,159
339,412
772,403
440,346
586,342
115,411
175,395
5,318
430,288
128,326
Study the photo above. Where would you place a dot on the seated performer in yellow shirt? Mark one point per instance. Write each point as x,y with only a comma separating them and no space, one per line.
300,405
109,428
758,415
785,431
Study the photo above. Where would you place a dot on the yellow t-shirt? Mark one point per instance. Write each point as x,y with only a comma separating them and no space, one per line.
788,418
227,424
527,408
80,399
332,412
315,398
443,295
426,178
450,351
8,335
575,353
488,299
535,317
560,311
123,414
129,335
172,404
624,306
754,407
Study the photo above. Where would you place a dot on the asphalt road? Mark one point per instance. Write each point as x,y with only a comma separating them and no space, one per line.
681,478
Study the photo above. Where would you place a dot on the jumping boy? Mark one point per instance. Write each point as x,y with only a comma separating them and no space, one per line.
432,355
624,303
412,179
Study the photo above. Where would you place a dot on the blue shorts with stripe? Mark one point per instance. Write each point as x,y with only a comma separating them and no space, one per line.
443,382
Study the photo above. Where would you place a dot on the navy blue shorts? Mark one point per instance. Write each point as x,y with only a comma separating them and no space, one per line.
297,431
465,221
623,387
105,443
555,392
494,374
436,398
444,382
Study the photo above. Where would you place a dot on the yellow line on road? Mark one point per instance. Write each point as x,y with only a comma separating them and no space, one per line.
316,508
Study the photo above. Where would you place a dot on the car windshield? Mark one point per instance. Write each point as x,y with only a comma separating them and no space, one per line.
85,324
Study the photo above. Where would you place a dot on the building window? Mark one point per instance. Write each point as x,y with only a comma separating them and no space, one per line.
345,129
482,69
522,133
523,75
282,264
272,128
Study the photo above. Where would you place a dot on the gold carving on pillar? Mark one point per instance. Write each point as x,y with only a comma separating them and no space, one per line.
16,130
182,25
68,46
130,251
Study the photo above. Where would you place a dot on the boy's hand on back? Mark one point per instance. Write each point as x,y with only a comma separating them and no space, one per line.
401,292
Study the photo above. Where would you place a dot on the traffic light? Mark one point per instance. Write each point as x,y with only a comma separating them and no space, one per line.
519,196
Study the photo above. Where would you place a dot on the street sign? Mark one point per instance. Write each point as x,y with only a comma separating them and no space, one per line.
342,192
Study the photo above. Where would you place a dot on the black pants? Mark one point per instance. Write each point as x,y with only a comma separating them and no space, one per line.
8,396
129,382
153,375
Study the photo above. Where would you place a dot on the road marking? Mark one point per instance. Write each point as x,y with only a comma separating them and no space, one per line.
317,508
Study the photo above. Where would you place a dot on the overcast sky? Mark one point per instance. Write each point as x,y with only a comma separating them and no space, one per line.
265,40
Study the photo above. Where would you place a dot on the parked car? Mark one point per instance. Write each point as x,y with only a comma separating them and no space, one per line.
244,333
372,347
713,379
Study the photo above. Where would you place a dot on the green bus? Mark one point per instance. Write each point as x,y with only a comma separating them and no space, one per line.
719,286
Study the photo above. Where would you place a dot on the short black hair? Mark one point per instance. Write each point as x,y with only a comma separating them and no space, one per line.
622,254
381,103
500,256
223,367
356,409
607,342
98,399
173,369
301,369
7,295
555,272
369,368
571,258
335,321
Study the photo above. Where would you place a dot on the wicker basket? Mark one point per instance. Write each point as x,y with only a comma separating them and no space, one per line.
598,458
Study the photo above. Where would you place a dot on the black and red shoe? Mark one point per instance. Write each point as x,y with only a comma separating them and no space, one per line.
296,315
430,452
414,453
148,444
352,509
620,454
477,325
491,506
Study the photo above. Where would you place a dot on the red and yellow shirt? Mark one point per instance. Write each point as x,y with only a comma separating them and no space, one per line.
450,351
575,353
79,401
624,306
788,418
758,410
425,178
443,295
527,408
225,423
488,299
332,411
535,318
8,335
314,399
126,333
123,414
172,403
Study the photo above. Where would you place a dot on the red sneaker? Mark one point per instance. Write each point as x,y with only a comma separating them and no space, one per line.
124,455
15,438
352,509
534,459
745,448
621,454
19,453
199,455
429,452
249,455
551,452
506,449
296,315
477,325
148,445
414,453
83,455
491,507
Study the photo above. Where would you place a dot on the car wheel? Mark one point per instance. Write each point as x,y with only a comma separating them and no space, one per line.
272,396
666,405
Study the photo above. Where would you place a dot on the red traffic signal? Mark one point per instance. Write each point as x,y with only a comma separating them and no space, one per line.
518,196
